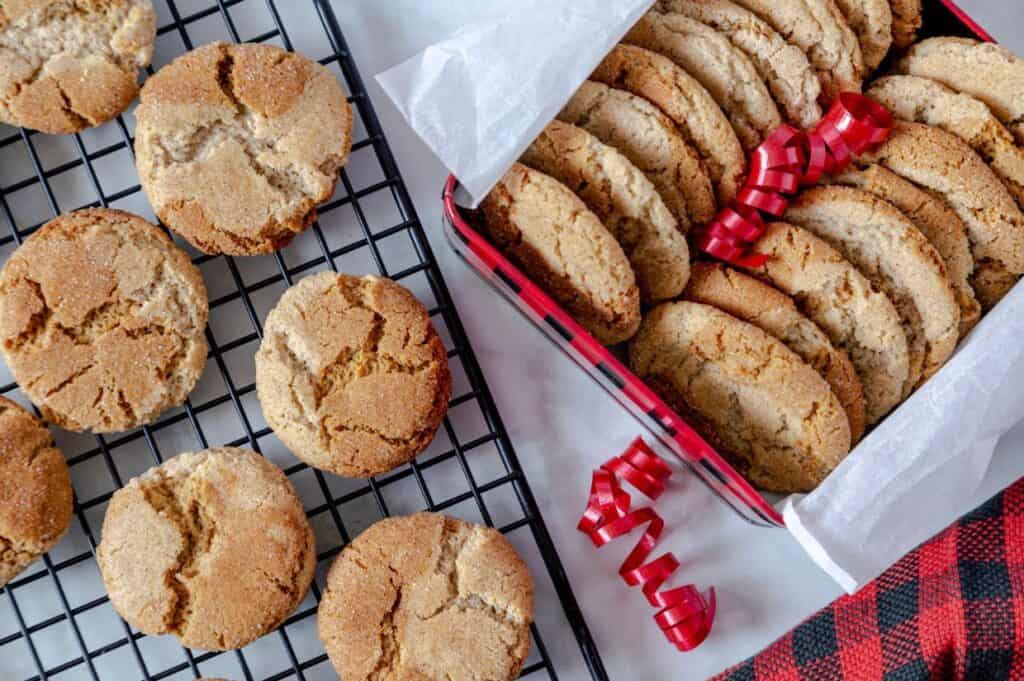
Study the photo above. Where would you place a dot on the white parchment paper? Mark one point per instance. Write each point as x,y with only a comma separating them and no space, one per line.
479,98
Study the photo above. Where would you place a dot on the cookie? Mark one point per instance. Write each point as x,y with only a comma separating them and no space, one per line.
784,67
820,30
858,318
986,71
772,311
548,231
937,221
427,597
696,115
749,395
927,101
237,144
622,197
35,491
892,253
651,141
722,68
906,22
871,21
351,375
67,65
212,547
102,321
947,167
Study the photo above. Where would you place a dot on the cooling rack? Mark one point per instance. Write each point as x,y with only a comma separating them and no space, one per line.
55,619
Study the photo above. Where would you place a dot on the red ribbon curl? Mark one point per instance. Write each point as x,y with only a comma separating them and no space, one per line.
685,616
787,159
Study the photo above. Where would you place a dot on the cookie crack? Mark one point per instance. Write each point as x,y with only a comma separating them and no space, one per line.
390,648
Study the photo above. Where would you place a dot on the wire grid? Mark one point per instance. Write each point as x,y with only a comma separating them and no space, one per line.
55,619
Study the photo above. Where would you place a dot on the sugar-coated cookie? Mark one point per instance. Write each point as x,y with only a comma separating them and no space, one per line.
351,374
237,144
430,598
625,201
212,547
102,320
746,392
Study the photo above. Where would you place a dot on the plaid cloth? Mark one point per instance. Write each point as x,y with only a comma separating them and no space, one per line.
951,609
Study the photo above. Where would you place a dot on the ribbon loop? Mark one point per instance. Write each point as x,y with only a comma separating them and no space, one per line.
684,615
787,159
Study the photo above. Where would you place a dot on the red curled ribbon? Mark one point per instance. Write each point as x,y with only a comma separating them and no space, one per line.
787,159
685,616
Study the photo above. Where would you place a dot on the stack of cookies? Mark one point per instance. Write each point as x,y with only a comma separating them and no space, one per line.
103,321
872,276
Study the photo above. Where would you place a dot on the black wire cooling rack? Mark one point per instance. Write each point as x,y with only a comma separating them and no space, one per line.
55,619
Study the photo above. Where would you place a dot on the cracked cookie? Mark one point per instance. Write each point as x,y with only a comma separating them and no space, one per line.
237,144
703,124
549,232
892,253
755,302
944,165
651,141
858,318
35,491
748,394
625,201
430,598
820,30
937,221
721,67
102,321
906,22
67,65
783,67
351,374
212,547
871,21
928,101
986,71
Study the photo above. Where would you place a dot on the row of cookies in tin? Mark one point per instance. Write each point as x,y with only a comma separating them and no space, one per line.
872,277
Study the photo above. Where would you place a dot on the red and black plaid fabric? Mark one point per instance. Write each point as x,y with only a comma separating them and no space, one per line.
951,609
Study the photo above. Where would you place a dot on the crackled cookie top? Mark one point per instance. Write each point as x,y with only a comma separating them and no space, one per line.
351,374
212,546
427,597
66,65
102,320
35,490
237,144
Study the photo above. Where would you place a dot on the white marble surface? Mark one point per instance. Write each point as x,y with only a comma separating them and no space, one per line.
562,424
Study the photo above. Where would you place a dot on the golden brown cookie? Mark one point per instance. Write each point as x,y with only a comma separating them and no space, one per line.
746,392
549,232
858,318
67,65
892,253
937,221
775,313
946,166
430,598
906,22
237,144
212,547
871,21
351,374
102,320
820,30
697,116
35,491
721,67
625,201
783,66
986,71
653,143
928,101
